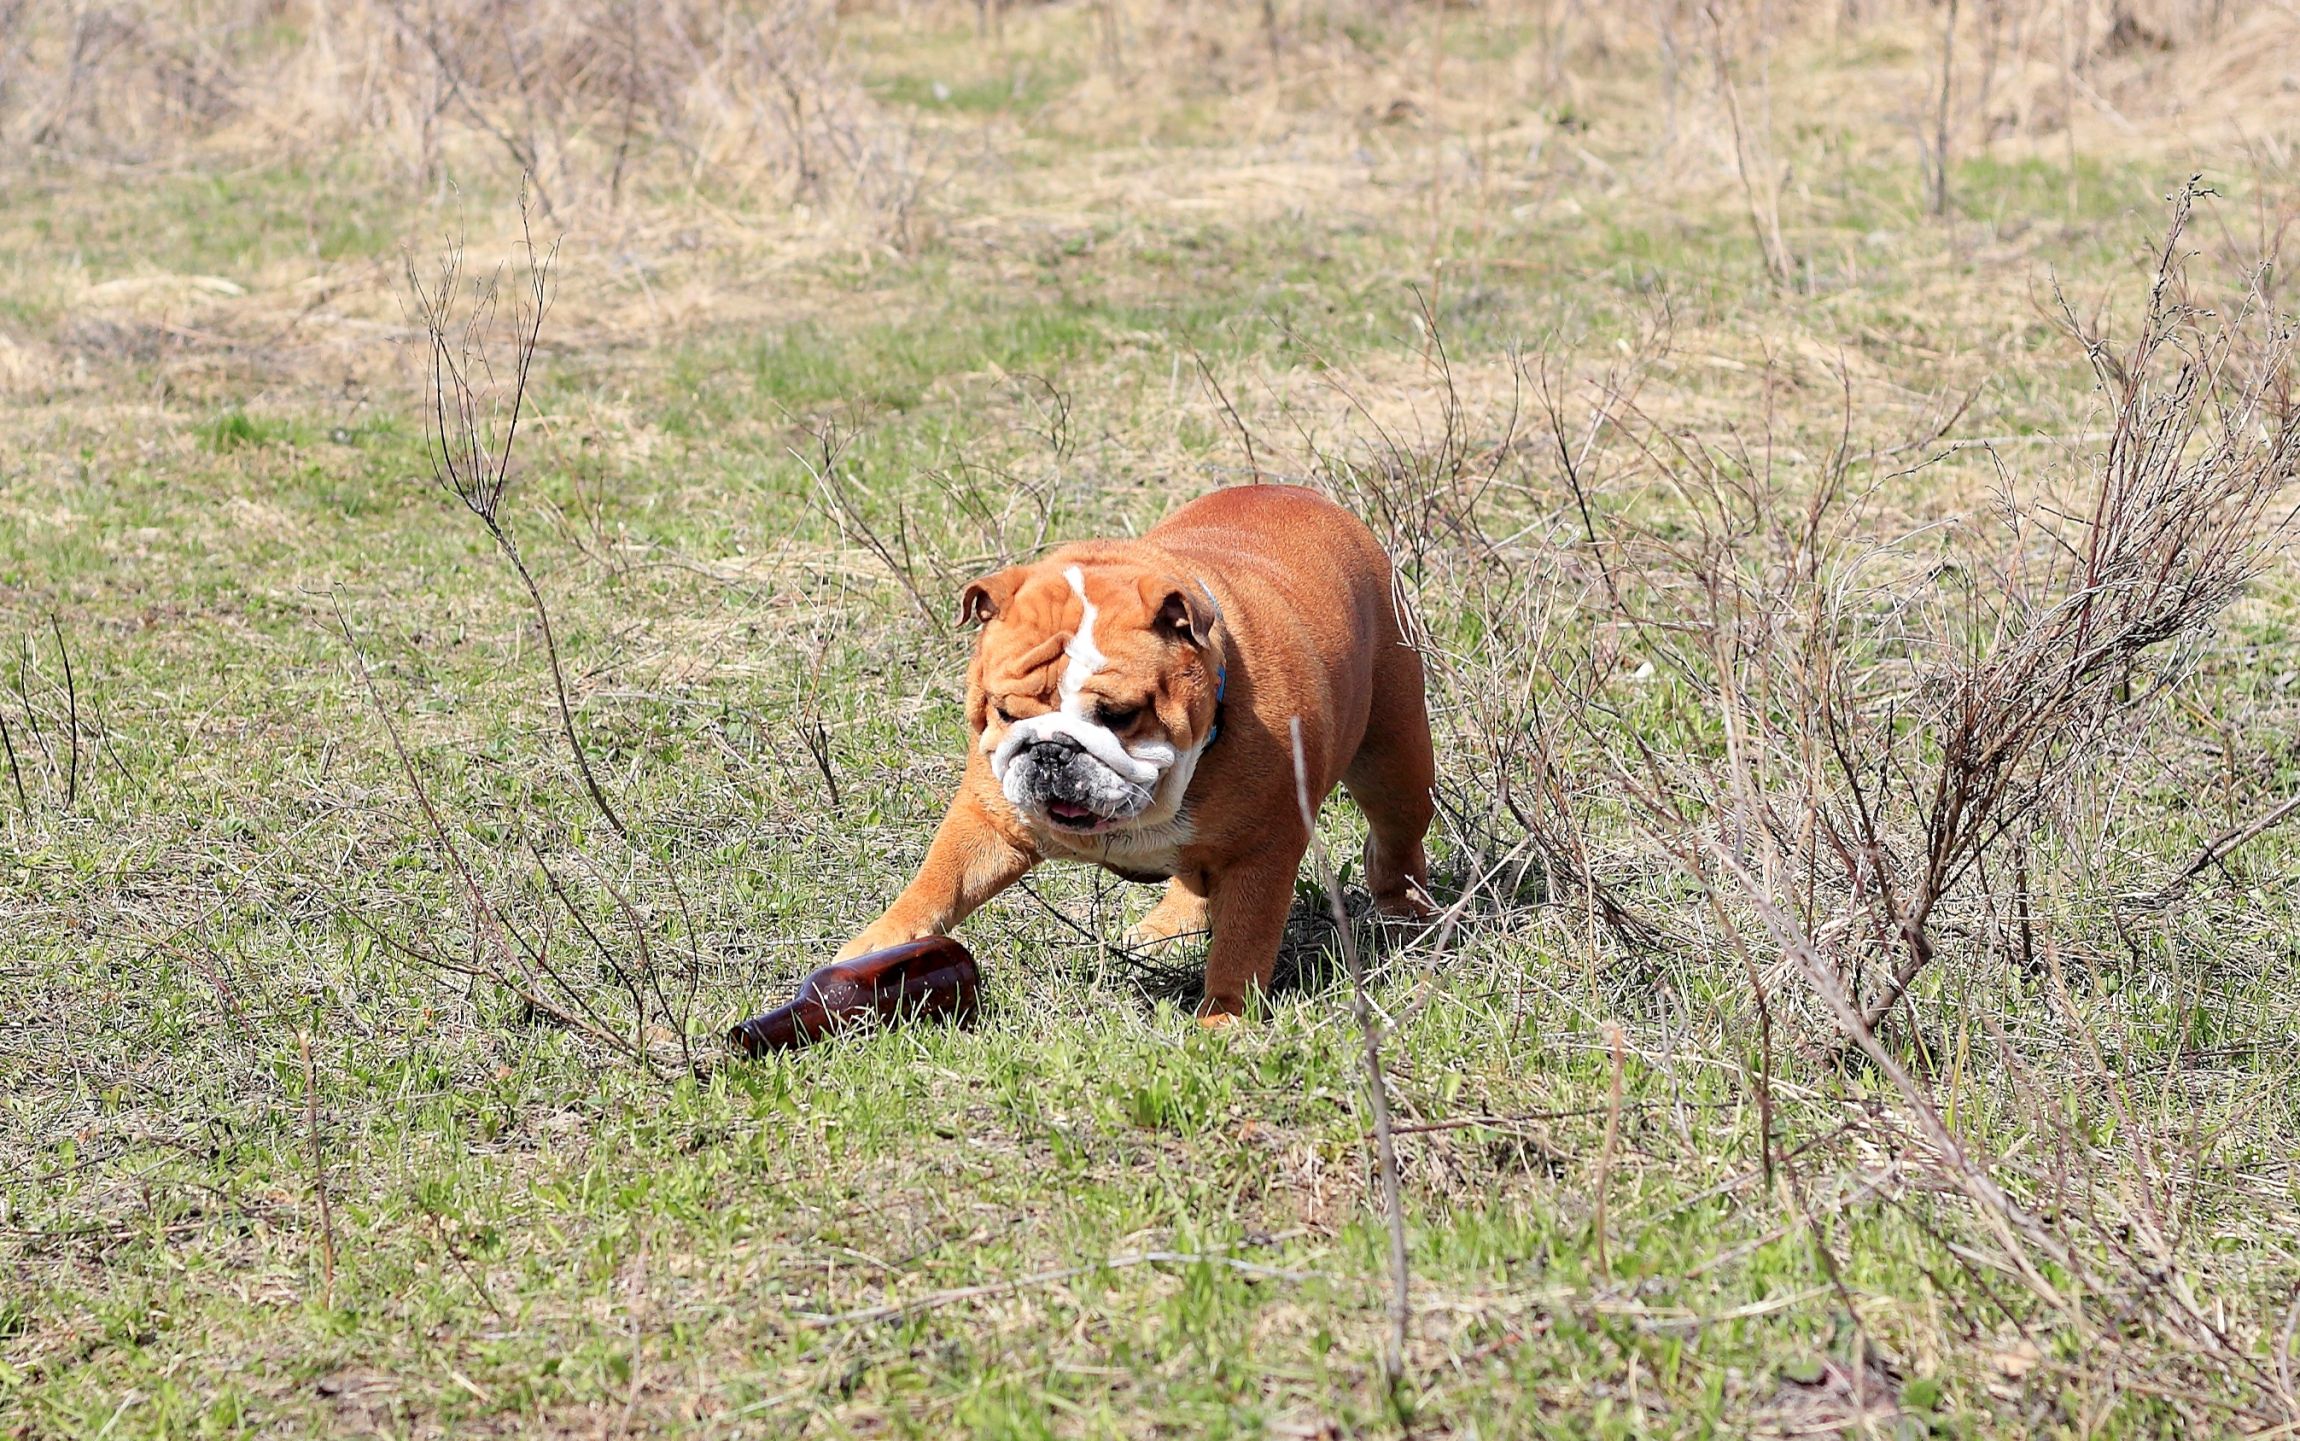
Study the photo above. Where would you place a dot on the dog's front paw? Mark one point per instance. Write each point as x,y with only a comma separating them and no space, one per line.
877,937
1142,936
1177,916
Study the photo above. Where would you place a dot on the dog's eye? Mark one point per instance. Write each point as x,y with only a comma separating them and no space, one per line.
1117,718
1005,717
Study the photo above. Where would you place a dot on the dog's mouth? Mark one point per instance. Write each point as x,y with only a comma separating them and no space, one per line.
1071,793
1071,816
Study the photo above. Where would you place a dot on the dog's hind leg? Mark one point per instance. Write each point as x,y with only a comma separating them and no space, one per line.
1247,910
1391,779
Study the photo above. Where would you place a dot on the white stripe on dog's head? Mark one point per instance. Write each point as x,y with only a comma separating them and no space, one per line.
1085,656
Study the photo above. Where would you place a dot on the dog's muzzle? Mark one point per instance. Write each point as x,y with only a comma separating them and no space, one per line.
1058,777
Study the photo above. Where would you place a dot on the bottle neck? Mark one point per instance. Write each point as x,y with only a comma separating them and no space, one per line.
777,1030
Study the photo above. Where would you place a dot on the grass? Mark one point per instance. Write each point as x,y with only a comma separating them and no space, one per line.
1084,1218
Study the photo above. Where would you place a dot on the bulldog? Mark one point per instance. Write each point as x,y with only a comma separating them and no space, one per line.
1132,703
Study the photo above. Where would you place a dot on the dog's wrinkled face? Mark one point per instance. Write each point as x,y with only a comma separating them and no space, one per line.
1092,691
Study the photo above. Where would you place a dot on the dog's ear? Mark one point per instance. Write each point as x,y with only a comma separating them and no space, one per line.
1186,612
982,600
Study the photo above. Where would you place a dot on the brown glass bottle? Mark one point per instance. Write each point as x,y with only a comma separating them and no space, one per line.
933,978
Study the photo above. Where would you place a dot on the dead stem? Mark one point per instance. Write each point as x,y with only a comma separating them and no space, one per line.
1377,1089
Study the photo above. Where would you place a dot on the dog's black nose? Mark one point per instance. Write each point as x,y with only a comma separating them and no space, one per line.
1057,741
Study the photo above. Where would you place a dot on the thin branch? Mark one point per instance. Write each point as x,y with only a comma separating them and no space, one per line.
72,714
318,1170
588,1023
2219,847
475,467
15,772
1369,1031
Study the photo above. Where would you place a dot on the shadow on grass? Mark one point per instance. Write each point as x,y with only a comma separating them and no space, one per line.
1309,954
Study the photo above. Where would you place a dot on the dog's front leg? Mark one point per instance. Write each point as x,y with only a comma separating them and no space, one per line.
1246,909
971,860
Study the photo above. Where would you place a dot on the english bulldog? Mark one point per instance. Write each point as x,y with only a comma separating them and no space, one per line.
1131,704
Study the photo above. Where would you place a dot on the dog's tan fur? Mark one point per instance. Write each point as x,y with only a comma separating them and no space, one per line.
1270,594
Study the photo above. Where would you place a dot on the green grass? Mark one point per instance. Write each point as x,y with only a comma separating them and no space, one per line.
1085,1217
1021,91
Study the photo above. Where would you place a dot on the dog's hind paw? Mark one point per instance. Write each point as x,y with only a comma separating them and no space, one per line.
1407,903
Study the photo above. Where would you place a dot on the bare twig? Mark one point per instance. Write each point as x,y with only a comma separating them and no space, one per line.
462,1263
1613,1042
1871,772
24,661
318,1170
1759,187
1941,113
1237,424
2014,1223
540,976
524,149
475,466
15,772
2221,846
71,715
832,484
818,743
1369,1031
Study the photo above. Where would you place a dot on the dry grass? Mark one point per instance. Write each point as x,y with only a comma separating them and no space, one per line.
588,100
1849,625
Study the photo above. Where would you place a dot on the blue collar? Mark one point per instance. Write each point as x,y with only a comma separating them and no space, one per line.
1222,675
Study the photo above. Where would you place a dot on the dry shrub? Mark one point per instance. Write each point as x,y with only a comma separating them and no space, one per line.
591,98
570,938
1868,743
1877,724
1493,581
119,77
1750,642
1755,706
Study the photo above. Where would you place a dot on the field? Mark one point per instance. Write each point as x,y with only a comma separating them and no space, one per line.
1850,540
